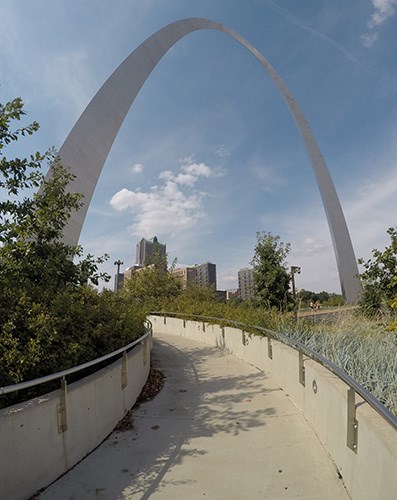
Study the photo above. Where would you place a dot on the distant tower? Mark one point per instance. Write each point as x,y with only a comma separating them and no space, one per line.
206,274
246,283
147,249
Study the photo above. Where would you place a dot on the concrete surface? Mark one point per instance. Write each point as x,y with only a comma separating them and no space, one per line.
33,450
219,429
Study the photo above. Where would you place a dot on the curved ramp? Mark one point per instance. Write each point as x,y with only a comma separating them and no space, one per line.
218,429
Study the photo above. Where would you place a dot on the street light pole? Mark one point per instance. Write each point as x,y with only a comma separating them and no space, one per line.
294,270
118,263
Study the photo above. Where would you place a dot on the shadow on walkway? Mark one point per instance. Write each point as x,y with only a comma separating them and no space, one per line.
219,428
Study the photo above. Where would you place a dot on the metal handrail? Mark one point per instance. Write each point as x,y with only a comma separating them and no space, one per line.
319,358
54,376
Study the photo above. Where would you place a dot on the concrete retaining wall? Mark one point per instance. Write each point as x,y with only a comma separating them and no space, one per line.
370,472
34,453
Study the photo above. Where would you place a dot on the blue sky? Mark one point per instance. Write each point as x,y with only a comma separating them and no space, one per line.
209,154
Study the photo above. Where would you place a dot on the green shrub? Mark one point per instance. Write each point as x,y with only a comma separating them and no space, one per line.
50,319
77,326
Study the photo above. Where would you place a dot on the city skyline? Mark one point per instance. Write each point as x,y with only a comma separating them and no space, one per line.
209,153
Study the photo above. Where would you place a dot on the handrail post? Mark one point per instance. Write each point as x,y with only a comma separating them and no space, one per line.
352,423
62,408
301,369
269,347
124,371
145,352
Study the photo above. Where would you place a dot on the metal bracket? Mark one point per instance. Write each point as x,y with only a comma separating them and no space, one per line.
124,371
352,423
62,408
269,347
145,352
223,333
301,369
184,323
244,339
203,326
165,320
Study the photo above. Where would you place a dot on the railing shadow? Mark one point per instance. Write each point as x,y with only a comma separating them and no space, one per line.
201,405
194,405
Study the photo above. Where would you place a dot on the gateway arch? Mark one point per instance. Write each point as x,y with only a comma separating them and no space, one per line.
87,146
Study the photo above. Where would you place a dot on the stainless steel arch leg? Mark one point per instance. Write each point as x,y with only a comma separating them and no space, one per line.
87,146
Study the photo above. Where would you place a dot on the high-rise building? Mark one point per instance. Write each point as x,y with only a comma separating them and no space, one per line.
206,275
186,275
246,283
129,271
199,275
146,250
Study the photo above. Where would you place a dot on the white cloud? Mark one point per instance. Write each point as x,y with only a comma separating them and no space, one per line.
369,39
313,247
172,206
187,160
137,168
199,169
184,179
189,175
222,151
383,10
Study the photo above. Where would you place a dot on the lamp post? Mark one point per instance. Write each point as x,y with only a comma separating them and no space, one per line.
118,263
294,270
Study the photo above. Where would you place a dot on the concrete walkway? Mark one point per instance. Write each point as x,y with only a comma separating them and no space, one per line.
219,429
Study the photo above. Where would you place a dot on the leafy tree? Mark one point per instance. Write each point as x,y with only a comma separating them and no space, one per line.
325,298
271,277
333,300
33,258
50,318
379,278
152,285
393,305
